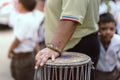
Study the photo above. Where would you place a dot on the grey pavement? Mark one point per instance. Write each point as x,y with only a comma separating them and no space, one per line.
6,38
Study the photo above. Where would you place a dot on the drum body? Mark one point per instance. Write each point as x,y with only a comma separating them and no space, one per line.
69,66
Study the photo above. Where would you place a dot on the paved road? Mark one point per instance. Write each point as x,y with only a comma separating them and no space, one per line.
5,39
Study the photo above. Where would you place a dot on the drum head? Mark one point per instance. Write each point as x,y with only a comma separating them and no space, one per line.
70,58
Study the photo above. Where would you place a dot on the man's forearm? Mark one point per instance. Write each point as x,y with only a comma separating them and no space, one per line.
64,33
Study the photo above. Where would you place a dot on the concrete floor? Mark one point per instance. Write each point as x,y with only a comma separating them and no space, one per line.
6,38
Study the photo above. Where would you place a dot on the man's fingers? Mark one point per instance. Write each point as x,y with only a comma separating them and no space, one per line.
53,57
38,58
44,59
37,63
43,55
38,55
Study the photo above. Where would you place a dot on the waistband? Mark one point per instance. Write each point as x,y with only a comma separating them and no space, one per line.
22,54
115,70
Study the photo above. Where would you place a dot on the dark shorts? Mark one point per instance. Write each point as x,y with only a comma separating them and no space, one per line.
88,45
113,75
22,67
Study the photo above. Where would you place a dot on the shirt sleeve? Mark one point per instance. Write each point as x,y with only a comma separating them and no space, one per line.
74,10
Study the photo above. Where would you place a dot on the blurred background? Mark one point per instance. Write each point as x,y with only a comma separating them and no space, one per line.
6,34
6,6
5,40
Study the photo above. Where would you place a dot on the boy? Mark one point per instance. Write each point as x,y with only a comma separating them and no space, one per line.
25,22
106,68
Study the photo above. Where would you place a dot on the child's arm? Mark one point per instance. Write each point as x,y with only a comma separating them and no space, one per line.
14,44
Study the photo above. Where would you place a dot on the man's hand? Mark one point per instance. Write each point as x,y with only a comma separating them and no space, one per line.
43,55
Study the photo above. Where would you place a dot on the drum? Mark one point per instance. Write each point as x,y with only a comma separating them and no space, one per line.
69,66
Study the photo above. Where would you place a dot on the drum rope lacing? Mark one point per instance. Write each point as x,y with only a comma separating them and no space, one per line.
36,70
35,74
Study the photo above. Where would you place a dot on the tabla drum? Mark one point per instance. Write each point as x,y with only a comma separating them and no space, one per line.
69,66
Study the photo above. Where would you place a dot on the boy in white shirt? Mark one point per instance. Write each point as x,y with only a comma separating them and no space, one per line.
25,22
106,68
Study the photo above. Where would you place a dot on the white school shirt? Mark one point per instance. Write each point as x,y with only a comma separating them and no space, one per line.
102,8
108,59
118,6
25,28
113,8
